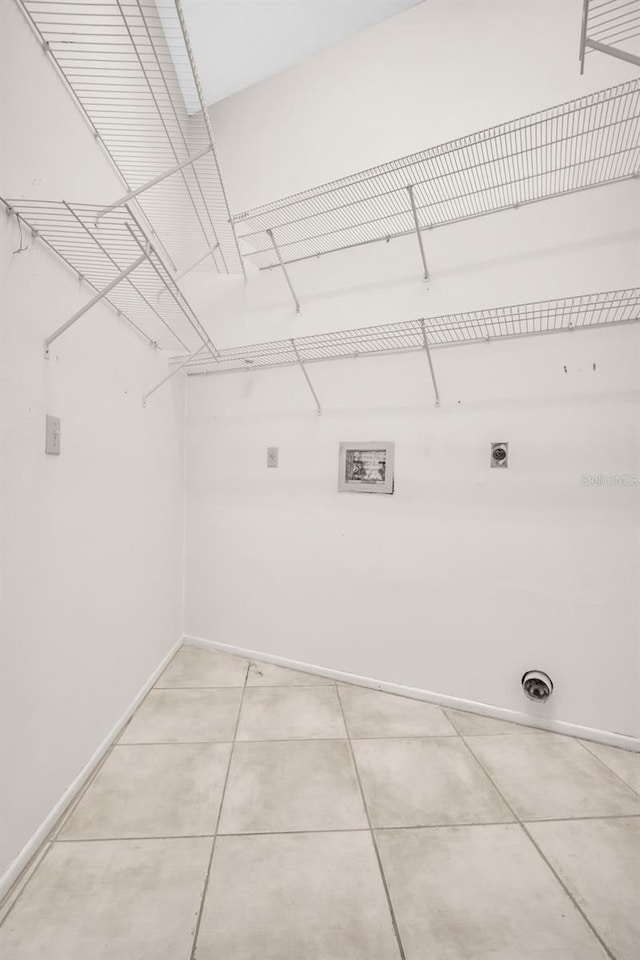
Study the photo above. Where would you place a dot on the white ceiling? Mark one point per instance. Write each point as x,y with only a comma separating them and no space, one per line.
239,42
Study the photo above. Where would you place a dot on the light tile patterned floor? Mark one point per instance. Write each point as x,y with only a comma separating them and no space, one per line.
250,812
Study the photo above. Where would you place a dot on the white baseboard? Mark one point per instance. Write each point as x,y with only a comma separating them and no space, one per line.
31,848
472,706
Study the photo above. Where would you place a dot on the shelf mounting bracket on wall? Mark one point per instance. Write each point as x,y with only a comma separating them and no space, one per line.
418,234
427,351
284,269
98,297
173,372
306,376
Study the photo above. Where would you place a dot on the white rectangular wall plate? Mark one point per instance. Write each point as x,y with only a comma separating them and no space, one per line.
52,441
272,456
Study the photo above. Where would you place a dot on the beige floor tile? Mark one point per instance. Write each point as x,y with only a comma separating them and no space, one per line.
293,785
110,900
270,675
623,762
546,776
599,861
475,725
157,790
199,667
371,713
18,886
291,713
420,782
296,897
480,893
181,716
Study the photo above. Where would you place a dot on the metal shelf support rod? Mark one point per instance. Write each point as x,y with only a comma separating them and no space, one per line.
98,297
613,51
152,183
183,273
430,362
418,234
173,373
306,376
583,35
284,269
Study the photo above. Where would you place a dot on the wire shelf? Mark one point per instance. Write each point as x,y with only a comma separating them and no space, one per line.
613,23
523,319
148,298
130,67
574,146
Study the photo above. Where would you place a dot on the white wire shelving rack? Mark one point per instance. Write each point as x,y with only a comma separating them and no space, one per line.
611,27
130,67
146,295
584,143
519,320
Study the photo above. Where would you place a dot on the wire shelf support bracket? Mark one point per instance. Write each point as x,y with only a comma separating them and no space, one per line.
173,372
427,351
418,234
94,300
605,25
300,362
284,269
151,183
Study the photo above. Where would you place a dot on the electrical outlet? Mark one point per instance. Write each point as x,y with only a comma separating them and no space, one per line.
52,441
272,456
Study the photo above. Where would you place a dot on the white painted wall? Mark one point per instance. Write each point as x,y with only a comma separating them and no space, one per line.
437,71
465,577
92,539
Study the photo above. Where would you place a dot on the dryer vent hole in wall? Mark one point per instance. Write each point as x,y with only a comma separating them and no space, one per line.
537,685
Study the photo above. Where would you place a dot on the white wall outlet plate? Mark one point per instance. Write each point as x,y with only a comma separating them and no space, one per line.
52,441
272,456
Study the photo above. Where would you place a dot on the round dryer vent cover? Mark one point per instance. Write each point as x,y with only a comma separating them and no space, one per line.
537,685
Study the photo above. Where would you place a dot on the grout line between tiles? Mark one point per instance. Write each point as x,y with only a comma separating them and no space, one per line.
412,826
163,743
605,764
568,891
523,826
374,840
196,931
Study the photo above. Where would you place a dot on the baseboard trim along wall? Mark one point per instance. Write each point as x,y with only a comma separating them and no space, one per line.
31,848
484,709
